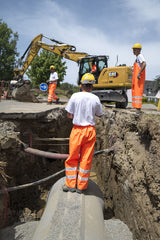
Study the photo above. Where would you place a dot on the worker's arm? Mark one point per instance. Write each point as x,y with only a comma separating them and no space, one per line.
142,68
70,115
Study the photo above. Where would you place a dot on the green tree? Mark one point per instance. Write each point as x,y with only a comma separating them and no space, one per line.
69,88
8,51
39,70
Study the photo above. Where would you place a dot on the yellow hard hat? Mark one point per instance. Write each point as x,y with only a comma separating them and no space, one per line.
88,78
137,45
52,67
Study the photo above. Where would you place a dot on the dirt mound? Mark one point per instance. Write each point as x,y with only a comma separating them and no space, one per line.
23,92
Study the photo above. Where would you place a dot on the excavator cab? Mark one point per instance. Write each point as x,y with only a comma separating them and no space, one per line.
92,64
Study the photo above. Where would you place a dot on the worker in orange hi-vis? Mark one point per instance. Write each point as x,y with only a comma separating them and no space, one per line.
82,108
52,85
138,77
94,67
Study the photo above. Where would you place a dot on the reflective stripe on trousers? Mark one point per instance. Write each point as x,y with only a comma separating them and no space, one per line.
137,86
81,147
52,95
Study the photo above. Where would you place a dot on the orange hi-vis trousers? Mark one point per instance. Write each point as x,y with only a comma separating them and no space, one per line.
137,86
81,147
52,95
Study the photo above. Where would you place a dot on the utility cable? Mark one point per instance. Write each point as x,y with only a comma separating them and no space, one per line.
11,189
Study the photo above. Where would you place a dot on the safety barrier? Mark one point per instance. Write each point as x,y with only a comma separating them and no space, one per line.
158,108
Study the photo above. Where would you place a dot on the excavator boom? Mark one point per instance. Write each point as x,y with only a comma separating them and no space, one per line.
64,50
32,50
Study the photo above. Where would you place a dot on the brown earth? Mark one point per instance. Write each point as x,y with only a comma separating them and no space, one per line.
129,177
24,168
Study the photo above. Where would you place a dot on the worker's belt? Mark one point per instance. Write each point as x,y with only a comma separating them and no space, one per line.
52,82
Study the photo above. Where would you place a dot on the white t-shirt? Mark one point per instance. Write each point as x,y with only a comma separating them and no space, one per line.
140,59
53,76
84,106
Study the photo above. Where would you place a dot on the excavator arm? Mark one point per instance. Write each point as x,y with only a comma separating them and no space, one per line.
64,50
32,50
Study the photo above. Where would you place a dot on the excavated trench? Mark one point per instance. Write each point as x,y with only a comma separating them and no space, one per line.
129,177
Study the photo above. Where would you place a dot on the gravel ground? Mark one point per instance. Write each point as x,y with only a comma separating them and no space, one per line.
116,230
19,231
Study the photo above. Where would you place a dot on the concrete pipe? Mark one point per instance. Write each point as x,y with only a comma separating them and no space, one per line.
72,216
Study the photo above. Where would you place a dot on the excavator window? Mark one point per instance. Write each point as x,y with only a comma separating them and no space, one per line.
101,65
86,66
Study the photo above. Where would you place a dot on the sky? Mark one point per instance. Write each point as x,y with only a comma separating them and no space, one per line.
104,27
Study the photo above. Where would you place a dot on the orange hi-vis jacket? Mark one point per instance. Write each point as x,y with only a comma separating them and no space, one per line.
94,68
81,147
137,86
52,95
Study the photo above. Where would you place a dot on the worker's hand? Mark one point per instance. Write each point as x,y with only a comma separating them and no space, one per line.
70,115
138,76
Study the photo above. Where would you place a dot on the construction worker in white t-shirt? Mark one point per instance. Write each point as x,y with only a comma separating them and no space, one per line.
82,108
52,85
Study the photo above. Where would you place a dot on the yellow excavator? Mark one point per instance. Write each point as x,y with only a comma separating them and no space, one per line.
111,82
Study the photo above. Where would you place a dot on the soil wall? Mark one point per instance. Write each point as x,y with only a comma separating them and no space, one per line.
130,178
28,204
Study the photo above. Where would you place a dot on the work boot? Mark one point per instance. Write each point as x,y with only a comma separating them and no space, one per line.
57,100
49,103
80,191
68,189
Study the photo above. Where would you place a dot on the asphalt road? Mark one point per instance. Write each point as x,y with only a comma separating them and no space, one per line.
13,106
